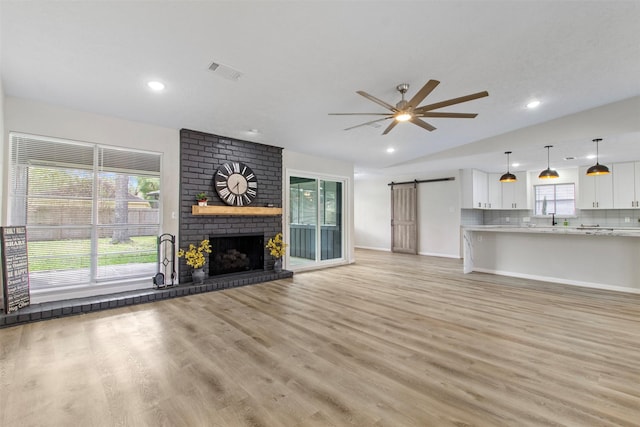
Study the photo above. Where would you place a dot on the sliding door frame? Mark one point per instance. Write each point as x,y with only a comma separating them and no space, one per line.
346,220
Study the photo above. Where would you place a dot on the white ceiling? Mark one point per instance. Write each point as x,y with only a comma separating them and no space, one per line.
303,60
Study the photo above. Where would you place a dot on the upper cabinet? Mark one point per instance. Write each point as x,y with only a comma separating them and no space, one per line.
475,193
596,192
494,191
514,194
626,185
481,190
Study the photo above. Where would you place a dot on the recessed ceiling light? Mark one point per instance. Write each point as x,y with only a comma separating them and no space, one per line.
254,131
533,104
591,156
515,165
156,85
569,158
390,150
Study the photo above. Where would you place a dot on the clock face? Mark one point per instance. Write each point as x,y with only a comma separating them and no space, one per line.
236,184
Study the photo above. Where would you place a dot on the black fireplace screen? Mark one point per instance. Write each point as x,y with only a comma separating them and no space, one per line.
236,253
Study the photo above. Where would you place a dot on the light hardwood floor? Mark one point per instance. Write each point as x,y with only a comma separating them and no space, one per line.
393,340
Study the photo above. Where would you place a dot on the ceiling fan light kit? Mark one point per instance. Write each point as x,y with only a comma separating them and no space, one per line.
409,111
508,177
597,169
548,173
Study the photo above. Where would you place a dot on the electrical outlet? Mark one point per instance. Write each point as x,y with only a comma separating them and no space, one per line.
528,219
507,219
627,219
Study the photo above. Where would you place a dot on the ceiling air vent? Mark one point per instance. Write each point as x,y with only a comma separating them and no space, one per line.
225,71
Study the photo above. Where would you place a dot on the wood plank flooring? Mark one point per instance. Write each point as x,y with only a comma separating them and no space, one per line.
393,340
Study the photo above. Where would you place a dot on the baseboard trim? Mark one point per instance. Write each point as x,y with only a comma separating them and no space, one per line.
559,280
371,248
440,255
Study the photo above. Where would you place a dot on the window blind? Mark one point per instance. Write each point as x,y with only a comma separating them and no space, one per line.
87,219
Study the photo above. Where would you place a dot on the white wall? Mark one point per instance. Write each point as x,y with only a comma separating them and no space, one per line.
372,213
297,163
438,213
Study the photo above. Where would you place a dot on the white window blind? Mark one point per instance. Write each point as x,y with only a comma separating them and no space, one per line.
558,199
88,218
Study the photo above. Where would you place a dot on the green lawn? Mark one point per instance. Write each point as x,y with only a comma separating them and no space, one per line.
73,254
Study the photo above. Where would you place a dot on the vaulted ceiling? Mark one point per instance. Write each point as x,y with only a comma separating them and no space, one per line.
300,61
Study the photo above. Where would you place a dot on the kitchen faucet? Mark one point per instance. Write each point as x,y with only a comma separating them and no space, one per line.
553,219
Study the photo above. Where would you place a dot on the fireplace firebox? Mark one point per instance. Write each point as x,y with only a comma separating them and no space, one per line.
236,253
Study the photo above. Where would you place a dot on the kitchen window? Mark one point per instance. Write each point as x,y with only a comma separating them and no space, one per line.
558,199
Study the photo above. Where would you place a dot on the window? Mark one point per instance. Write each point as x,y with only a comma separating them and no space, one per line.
91,211
559,199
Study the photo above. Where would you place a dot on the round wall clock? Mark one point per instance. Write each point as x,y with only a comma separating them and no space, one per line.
236,184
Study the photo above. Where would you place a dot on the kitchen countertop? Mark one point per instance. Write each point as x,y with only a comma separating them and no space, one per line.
582,230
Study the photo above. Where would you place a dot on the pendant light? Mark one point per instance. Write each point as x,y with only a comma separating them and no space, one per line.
508,177
548,173
597,169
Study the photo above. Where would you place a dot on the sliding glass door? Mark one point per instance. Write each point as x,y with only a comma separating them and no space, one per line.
315,221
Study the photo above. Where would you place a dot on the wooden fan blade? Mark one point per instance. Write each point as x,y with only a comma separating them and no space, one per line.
447,115
368,123
391,126
422,124
358,114
452,101
423,93
377,101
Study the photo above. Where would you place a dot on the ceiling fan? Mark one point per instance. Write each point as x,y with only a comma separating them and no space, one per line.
408,111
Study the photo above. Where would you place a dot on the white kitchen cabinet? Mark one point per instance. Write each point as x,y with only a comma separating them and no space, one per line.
494,191
474,189
514,194
596,192
626,185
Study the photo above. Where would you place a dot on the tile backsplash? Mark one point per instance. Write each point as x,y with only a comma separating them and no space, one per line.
604,217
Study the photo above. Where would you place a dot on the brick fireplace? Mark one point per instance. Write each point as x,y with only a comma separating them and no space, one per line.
200,155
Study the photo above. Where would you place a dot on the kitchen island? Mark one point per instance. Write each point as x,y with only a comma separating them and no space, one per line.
598,257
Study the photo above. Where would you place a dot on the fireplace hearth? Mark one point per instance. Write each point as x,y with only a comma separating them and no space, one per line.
236,253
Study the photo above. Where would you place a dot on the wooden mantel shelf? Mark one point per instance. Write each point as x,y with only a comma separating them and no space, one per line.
235,210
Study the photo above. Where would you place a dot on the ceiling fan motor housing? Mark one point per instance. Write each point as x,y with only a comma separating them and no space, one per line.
403,88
